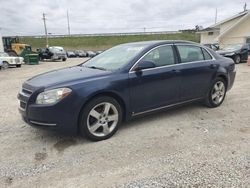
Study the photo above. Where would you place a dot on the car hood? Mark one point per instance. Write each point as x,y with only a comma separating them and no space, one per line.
223,52
66,75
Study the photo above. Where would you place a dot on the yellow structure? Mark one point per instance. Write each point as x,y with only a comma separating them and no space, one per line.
18,47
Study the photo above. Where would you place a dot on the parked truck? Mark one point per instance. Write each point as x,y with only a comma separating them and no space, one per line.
13,47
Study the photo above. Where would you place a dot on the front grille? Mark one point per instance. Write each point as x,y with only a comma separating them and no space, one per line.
17,60
23,97
22,105
26,91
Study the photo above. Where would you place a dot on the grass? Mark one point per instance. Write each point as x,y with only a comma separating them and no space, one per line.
104,42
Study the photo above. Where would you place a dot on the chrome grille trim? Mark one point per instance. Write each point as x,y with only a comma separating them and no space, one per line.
20,107
45,124
27,91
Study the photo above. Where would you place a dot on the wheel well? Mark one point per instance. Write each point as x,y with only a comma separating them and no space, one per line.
224,78
109,94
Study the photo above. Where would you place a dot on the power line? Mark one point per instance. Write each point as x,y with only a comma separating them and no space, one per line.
45,29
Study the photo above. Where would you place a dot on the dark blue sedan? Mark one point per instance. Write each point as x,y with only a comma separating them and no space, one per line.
123,82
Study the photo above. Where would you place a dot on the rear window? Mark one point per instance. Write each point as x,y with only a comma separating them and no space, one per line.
190,53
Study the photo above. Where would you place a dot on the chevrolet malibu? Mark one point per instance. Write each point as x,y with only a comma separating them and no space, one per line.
125,81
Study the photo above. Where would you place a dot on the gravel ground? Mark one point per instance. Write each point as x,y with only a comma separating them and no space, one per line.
192,146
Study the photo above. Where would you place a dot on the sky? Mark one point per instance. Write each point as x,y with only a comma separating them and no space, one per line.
23,17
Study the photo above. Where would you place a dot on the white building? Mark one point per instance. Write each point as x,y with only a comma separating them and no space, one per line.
233,30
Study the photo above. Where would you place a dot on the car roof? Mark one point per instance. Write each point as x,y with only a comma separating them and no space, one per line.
159,42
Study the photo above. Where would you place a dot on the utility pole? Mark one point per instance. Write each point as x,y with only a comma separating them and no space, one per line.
45,29
216,14
68,22
245,7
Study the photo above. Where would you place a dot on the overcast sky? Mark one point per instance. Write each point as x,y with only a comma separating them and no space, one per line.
22,17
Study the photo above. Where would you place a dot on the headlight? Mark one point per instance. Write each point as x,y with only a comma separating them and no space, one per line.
52,96
229,54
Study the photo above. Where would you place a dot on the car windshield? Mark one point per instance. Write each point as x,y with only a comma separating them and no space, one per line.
3,54
233,47
116,57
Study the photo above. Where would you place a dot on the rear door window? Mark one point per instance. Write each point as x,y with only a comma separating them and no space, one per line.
189,53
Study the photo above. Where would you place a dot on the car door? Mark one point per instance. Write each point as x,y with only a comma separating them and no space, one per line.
197,71
155,87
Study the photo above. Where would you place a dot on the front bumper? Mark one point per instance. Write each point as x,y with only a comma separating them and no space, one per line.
61,117
231,77
13,63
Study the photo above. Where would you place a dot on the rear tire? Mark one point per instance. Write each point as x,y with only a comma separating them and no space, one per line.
216,94
64,59
18,66
100,118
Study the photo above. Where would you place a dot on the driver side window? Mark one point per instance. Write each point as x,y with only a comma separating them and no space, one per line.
161,56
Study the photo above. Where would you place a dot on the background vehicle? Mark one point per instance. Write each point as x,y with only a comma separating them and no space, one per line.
98,52
80,53
213,46
71,54
44,53
123,82
10,61
91,54
238,52
13,47
58,53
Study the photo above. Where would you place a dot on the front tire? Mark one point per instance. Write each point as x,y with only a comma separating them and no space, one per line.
217,93
237,59
5,65
100,118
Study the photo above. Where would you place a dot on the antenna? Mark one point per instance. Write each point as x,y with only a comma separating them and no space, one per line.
68,22
45,29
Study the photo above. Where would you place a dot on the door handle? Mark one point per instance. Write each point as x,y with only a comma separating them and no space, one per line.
213,66
176,71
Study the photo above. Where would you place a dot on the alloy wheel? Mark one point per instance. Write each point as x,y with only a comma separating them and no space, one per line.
218,92
102,119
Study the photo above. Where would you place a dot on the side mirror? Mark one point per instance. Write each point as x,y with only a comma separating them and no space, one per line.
144,65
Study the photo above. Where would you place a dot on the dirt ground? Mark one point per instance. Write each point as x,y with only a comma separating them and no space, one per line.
190,146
